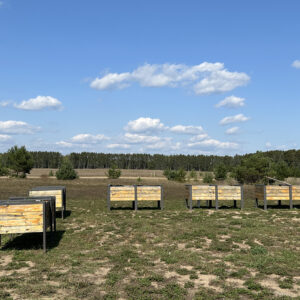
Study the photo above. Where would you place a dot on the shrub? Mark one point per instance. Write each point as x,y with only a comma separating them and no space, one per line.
51,173
178,175
208,178
66,171
220,172
193,175
114,173
19,161
3,171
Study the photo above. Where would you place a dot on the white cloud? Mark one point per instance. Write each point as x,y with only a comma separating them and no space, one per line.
64,144
144,125
40,103
118,146
17,127
234,119
164,145
212,143
5,138
232,130
5,103
205,78
296,64
187,129
199,137
138,139
231,102
86,138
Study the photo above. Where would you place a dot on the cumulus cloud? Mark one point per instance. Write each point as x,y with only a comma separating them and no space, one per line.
231,102
86,138
181,129
199,137
234,119
5,103
40,103
134,138
212,143
4,138
64,144
296,64
17,127
118,146
164,145
144,125
205,78
232,130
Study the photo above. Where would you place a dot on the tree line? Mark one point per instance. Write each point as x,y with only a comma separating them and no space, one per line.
90,160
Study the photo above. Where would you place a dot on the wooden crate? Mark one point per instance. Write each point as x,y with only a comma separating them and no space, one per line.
275,193
59,192
26,216
135,194
215,193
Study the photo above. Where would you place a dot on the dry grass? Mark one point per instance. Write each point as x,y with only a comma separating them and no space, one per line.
152,254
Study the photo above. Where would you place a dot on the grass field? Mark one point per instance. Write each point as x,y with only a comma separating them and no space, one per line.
152,254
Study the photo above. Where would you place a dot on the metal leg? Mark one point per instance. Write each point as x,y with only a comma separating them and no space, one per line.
279,202
234,203
158,204
62,214
256,202
217,198
191,197
207,203
291,196
161,198
133,204
44,228
210,203
0,240
198,203
265,204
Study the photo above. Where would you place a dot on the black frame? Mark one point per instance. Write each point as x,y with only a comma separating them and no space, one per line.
189,201
48,204
55,188
160,203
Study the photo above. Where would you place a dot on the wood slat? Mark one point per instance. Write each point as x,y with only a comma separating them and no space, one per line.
20,229
58,194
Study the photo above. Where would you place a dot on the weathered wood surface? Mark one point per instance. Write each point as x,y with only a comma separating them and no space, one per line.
259,192
58,194
296,192
21,218
226,192
275,193
203,192
122,193
148,193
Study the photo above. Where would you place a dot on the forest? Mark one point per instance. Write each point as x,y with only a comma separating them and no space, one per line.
90,160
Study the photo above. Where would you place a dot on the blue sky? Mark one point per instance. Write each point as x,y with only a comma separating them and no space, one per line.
192,77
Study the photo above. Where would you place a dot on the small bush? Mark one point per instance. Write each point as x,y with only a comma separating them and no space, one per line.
178,175
51,173
208,178
193,175
3,171
66,171
114,173
139,180
220,172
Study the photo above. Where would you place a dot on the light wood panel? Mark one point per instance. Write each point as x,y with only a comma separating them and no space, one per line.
58,194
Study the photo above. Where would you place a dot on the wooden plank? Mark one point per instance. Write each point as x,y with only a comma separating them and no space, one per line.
4,209
20,229
296,192
58,194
